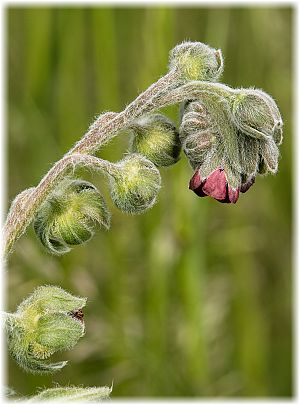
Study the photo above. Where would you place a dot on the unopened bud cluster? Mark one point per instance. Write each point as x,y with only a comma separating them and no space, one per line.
48,321
227,156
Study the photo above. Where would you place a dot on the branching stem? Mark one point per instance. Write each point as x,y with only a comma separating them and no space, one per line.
166,91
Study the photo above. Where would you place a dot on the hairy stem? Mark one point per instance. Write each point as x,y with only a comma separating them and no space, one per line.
166,91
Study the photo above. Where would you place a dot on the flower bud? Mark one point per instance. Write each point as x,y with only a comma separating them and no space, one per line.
256,114
156,137
196,132
196,61
216,185
70,216
48,321
134,183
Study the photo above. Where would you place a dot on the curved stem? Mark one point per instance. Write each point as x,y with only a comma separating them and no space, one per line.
166,91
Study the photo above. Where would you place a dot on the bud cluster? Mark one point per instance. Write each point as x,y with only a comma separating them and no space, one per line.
228,156
48,321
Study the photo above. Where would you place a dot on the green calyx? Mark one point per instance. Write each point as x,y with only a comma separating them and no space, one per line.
196,61
197,132
48,321
256,114
134,184
155,136
70,216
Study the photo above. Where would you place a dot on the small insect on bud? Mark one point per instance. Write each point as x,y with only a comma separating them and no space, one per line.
70,216
156,137
196,61
134,183
44,323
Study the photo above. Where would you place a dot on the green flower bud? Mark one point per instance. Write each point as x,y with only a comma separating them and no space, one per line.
48,321
134,183
196,61
71,393
256,114
156,137
197,132
70,216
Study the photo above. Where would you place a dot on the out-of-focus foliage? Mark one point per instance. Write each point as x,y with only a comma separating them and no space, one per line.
194,297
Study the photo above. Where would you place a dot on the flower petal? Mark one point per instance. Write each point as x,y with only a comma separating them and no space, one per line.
233,195
195,181
196,184
215,185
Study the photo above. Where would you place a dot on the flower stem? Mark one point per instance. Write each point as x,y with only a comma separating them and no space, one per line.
168,90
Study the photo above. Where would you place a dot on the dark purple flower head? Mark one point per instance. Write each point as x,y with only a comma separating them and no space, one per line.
214,185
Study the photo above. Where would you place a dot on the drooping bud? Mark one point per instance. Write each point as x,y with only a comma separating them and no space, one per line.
196,61
48,321
70,216
134,183
260,131
256,114
155,136
71,394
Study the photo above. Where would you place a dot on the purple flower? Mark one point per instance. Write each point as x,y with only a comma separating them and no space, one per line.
216,186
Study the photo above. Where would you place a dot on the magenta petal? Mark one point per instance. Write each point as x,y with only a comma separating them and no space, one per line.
233,194
215,185
196,184
195,181
245,186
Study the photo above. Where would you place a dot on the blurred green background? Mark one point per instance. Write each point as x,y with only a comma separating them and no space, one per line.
193,298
